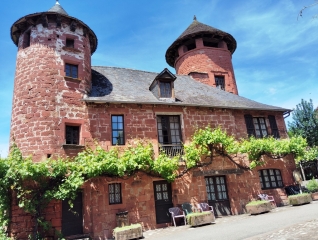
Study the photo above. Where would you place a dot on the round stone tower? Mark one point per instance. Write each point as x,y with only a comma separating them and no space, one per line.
204,53
53,72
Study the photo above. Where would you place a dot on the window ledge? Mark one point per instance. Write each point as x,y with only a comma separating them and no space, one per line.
70,49
72,146
76,80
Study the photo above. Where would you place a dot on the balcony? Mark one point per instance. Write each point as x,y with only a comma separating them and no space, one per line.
172,150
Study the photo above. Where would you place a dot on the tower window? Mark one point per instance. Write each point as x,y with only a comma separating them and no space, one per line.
210,44
72,134
27,39
165,89
70,43
219,82
71,70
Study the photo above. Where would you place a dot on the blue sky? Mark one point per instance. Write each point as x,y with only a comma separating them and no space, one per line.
275,61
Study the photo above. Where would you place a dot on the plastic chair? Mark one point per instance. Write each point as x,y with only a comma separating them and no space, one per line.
268,198
187,208
177,213
204,207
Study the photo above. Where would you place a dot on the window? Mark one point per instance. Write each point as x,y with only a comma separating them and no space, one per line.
72,134
256,126
169,135
270,178
118,130
165,89
27,39
273,125
71,70
70,43
114,191
219,82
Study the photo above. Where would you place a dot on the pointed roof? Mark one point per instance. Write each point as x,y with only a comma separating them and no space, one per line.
56,12
58,8
195,29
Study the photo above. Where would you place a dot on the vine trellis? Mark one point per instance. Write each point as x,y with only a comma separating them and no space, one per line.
35,185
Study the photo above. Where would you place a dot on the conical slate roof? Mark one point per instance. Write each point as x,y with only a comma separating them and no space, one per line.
195,29
58,9
25,22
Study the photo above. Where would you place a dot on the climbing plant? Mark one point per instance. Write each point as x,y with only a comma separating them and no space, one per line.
35,185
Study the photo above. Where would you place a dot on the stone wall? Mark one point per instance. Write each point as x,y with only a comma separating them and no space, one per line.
43,95
203,63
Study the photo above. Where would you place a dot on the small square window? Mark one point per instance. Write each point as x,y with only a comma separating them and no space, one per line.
114,191
118,130
71,70
70,43
165,89
72,134
219,82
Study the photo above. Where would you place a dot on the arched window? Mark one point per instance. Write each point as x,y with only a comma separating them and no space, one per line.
270,178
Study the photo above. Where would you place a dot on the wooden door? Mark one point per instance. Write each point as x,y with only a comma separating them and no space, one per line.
217,195
72,219
163,201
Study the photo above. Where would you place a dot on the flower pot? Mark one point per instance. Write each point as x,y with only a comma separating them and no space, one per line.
314,196
128,232
197,219
257,208
299,199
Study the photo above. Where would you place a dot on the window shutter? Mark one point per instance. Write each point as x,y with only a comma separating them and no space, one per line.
249,125
273,125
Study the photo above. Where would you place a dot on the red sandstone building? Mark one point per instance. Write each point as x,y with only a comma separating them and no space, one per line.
61,103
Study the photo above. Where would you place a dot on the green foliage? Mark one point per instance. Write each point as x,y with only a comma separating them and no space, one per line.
37,184
132,226
257,202
312,185
305,122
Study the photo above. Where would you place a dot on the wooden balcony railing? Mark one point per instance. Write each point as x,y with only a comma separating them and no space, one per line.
172,150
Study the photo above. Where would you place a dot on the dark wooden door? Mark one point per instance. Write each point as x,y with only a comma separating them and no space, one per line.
217,195
163,201
72,219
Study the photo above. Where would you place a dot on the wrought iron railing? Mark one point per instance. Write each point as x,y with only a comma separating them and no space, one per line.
172,150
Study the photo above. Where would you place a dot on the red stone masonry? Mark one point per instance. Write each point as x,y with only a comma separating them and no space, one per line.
207,62
43,96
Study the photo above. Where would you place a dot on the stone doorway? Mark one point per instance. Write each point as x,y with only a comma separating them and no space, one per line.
163,201
217,195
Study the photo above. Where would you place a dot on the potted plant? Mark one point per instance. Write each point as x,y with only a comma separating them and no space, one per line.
312,186
128,232
259,206
200,218
299,199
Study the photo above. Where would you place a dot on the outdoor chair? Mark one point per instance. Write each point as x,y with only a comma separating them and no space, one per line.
187,208
177,213
267,198
204,207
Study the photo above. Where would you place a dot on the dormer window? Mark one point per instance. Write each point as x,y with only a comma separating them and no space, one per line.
165,89
219,82
163,85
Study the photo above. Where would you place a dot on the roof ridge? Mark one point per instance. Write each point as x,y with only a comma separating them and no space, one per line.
129,69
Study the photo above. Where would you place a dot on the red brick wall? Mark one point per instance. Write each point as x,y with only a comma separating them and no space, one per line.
208,60
42,94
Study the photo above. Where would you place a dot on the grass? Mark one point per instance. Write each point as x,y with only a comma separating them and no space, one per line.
298,195
254,203
132,226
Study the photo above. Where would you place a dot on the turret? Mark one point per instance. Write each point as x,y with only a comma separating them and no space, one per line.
53,72
204,53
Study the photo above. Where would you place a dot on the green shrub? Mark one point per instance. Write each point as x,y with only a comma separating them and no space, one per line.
253,203
312,185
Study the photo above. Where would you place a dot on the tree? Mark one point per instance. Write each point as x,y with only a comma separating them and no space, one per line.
305,122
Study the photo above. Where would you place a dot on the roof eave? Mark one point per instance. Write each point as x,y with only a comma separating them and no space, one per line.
102,101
